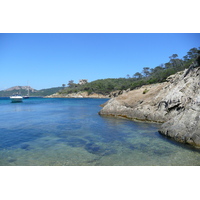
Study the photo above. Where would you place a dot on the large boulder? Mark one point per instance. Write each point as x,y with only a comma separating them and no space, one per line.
185,127
137,104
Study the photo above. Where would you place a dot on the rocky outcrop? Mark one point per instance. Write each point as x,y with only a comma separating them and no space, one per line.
142,104
77,95
185,126
175,103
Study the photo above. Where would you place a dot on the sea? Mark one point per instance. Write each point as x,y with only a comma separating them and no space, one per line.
70,132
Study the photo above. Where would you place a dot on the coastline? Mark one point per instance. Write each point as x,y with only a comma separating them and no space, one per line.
78,95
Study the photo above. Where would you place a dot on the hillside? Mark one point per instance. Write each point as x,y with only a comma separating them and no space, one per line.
46,92
17,88
148,75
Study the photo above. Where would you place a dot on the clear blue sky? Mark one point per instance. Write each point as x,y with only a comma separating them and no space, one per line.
47,60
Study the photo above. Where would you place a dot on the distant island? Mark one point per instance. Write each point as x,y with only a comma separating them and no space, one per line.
23,90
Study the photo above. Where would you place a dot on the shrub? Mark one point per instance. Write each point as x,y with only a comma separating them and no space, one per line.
145,91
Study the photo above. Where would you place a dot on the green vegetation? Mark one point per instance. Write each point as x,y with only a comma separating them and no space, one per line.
147,76
145,91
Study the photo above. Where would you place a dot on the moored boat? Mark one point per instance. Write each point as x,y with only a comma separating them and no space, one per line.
16,98
27,96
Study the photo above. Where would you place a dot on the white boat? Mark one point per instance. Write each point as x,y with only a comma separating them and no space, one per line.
16,98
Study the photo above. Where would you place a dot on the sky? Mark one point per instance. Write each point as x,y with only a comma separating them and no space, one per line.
45,60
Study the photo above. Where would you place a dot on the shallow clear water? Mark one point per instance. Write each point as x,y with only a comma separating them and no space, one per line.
70,132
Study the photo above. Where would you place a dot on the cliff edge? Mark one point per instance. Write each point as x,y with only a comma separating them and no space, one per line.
175,103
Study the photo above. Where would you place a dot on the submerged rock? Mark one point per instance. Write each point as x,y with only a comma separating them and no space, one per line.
175,103
25,147
98,149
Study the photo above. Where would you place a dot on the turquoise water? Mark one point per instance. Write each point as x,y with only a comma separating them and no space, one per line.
69,132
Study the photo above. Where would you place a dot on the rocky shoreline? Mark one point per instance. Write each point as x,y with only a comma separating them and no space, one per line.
86,95
77,95
175,103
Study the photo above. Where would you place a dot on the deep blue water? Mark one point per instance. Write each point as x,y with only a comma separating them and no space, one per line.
47,132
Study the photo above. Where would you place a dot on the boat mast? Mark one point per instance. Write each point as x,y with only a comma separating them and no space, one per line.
28,88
